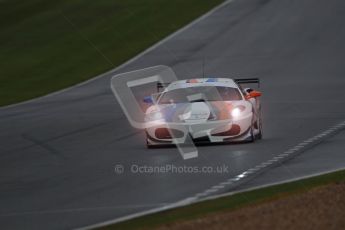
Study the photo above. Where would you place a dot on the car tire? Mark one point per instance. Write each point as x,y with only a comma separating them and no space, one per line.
147,142
149,146
251,132
260,134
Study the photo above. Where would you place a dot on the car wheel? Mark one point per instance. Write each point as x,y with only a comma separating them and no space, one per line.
148,145
252,136
259,136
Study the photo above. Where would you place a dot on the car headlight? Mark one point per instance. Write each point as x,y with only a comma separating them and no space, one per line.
155,116
237,111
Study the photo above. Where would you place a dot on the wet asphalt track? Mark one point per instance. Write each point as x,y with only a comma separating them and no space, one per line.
58,153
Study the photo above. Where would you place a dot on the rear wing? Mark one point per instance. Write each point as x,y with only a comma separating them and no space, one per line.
161,86
240,81
243,81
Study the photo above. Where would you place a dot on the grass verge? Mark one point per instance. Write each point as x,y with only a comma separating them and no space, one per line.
49,45
228,203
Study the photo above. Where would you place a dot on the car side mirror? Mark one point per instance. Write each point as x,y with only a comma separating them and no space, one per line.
148,100
253,94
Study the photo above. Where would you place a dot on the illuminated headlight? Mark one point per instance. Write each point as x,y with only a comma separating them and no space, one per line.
237,111
155,116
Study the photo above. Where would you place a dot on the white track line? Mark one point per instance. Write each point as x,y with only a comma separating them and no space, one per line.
275,159
269,185
193,200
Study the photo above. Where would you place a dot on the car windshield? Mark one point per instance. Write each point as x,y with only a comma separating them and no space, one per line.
208,92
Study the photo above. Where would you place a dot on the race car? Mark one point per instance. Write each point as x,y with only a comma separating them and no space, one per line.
210,110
